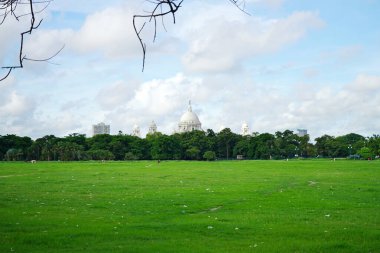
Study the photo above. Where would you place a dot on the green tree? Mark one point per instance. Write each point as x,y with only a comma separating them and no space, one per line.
287,144
119,148
45,148
140,148
100,142
130,156
209,155
374,144
100,154
311,150
349,144
68,151
325,145
192,153
14,154
241,148
194,139
77,138
164,147
366,153
304,146
262,146
226,140
341,146
12,141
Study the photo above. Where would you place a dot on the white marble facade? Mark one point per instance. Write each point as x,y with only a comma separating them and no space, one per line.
189,121
136,131
152,128
245,129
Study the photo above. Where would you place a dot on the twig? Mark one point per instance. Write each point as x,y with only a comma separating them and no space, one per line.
172,6
9,7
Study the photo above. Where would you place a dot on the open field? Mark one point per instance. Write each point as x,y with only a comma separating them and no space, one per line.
241,206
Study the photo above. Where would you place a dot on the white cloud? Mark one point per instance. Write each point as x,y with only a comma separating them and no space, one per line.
12,103
16,109
161,100
321,109
110,31
44,44
25,114
73,6
268,3
116,94
217,100
64,123
221,42
352,108
266,108
367,84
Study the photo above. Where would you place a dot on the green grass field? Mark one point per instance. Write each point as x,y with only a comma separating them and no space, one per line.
231,206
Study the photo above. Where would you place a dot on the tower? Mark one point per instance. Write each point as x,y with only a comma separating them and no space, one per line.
136,131
245,129
152,128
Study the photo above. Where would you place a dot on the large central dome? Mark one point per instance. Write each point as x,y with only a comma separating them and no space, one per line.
189,121
190,117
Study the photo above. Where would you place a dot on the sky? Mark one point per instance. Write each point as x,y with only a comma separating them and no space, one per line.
290,64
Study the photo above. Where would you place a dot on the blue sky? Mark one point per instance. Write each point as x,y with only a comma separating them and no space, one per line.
290,64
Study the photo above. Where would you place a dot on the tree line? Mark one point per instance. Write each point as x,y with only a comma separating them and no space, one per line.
195,145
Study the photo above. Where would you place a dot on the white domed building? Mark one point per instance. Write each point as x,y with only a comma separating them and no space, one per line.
189,121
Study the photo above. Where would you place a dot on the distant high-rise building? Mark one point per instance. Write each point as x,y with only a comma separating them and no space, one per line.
301,132
100,128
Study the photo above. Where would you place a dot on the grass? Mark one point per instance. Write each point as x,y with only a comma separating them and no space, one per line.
242,206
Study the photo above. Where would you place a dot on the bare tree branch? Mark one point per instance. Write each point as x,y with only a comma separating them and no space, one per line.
240,4
9,7
162,8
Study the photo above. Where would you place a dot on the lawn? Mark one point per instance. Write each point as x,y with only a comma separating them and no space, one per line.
225,206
